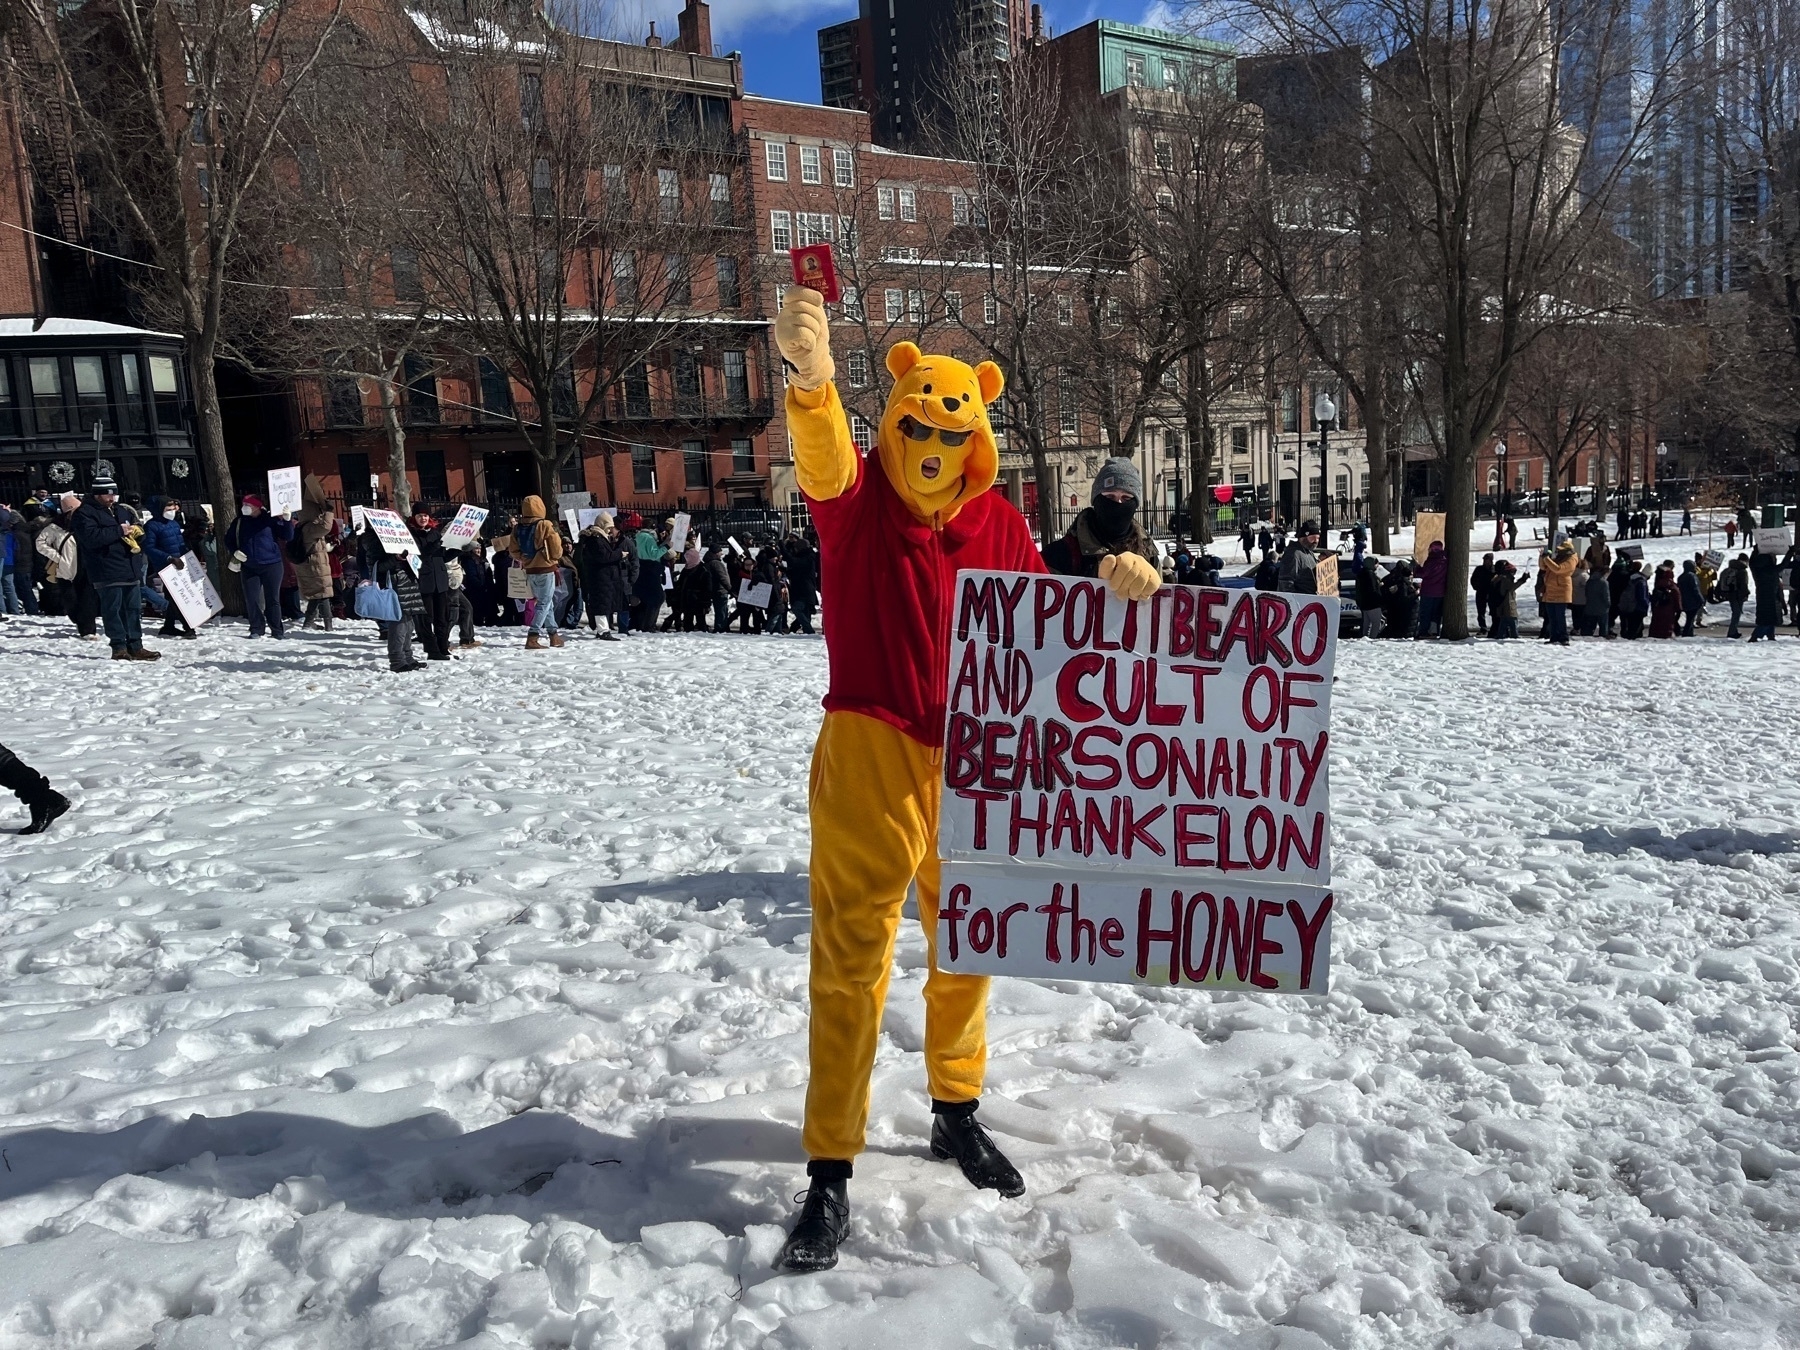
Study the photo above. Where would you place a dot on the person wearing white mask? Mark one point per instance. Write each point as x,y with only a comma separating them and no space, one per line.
164,547
254,542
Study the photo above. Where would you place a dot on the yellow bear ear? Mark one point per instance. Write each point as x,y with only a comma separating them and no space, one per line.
902,357
989,378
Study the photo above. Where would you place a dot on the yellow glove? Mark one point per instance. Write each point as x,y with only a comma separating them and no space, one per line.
804,337
1129,577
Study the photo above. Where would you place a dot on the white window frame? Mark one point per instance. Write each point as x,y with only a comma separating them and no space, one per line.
852,302
843,167
896,303
909,204
856,368
953,305
862,433
915,306
1135,73
781,230
884,202
990,309
811,167
959,208
775,161
1065,310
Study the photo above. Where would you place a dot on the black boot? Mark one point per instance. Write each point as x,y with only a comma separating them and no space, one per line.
824,1218
32,788
956,1134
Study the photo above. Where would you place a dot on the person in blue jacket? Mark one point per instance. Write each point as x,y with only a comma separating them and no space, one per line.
164,546
254,542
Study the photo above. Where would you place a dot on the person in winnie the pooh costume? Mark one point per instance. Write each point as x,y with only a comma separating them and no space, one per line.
893,532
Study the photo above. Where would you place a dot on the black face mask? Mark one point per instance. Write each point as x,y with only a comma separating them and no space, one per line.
1113,518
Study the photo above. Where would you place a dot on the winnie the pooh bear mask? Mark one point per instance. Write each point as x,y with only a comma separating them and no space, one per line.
894,529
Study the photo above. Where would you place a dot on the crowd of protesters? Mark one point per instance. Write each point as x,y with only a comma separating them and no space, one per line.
1583,587
97,561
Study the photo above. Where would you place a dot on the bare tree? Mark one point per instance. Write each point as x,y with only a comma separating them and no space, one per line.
564,204
346,210
1326,248
1468,130
1120,337
1023,245
1196,205
177,113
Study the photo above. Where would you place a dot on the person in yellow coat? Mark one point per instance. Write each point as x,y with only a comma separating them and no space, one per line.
893,532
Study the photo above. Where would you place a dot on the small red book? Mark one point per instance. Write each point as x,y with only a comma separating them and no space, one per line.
814,267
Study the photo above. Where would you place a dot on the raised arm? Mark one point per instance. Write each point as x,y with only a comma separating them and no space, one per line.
825,458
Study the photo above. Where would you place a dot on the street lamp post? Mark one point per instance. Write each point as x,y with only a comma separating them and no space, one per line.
1500,497
1324,416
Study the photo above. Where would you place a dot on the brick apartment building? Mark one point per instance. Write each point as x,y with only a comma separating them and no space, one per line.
684,429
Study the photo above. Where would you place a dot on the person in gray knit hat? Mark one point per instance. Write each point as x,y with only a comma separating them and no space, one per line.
1107,527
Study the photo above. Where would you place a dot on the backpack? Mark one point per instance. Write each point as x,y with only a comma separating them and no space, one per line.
525,542
296,550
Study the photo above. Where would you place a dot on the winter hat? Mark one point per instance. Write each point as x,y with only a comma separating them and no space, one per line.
1119,475
103,484
1308,527
251,499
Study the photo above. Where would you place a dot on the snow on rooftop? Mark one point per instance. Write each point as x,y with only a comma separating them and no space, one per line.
18,328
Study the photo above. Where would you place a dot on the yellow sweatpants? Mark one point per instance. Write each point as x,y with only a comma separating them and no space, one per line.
874,799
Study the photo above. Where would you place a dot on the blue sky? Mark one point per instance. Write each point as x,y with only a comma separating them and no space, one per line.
781,54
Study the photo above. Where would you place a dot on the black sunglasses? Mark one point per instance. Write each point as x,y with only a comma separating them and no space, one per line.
918,431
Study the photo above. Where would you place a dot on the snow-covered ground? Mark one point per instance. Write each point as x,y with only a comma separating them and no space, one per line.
467,1008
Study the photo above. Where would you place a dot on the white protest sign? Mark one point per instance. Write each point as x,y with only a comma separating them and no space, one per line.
1715,558
678,540
391,530
572,521
736,547
284,490
757,596
465,527
518,584
569,501
192,590
1164,763
590,515
356,515
1776,540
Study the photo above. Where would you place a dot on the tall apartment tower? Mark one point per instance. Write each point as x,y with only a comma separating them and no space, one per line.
892,59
